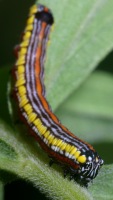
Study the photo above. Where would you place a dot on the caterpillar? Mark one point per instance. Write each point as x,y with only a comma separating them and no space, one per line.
77,157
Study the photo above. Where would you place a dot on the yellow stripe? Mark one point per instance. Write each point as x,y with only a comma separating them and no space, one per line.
24,43
20,82
29,27
81,159
59,142
28,108
46,135
37,122
62,146
27,35
50,138
21,60
31,117
68,147
77,153
54,142
73,151
22,90
23,101
33,10
21,69
30,20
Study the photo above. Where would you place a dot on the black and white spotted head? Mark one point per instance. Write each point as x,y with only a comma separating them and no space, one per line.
88,171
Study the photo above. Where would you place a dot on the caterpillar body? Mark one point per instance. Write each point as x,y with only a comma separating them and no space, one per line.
77,157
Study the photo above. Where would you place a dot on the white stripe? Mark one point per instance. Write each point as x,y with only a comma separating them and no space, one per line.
30,77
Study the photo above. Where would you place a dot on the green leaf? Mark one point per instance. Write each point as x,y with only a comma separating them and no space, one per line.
81,38
102,189
6,150
30,164
4,78
88,112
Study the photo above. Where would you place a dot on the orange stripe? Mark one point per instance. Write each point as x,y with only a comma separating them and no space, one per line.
40,89
37,74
